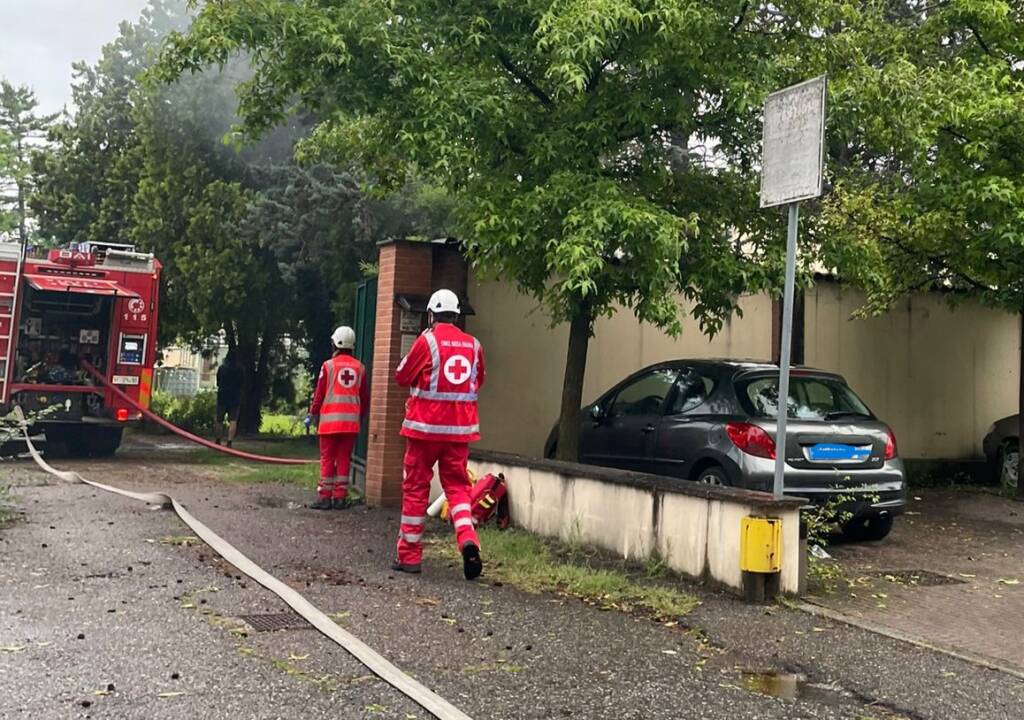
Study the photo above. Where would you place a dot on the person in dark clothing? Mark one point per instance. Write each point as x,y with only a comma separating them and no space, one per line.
229,397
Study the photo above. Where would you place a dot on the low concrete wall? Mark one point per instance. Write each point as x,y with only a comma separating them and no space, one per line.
694,528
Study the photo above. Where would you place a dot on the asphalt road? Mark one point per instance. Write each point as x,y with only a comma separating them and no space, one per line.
104,614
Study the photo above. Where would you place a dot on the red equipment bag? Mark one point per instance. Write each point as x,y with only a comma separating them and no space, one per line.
489,497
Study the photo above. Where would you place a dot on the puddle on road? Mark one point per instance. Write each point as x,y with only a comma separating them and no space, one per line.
792,686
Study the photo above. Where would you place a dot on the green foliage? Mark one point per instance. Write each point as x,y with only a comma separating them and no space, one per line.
598,154
822,522
195,414
928,161
568,135
252,244
22,128
282,425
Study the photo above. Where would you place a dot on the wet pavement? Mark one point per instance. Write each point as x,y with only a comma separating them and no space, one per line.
951,574
111,610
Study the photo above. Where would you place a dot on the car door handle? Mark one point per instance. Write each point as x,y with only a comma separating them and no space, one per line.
649,428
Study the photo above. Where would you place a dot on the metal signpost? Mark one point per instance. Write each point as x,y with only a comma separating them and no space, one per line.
791,170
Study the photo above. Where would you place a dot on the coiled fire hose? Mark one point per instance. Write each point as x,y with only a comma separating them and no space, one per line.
376,663
98,377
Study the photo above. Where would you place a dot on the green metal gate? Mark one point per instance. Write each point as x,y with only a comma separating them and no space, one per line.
365,322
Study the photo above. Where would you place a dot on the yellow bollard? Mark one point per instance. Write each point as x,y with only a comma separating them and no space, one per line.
761,545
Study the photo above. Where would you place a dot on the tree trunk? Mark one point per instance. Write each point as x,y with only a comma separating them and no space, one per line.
1020,411
799,329
568,447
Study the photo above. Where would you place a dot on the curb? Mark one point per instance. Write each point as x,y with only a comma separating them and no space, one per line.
968,657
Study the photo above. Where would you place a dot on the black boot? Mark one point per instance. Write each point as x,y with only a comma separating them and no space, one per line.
472,565
322,504
402,567
342,504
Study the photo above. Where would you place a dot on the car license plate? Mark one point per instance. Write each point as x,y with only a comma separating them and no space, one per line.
837,452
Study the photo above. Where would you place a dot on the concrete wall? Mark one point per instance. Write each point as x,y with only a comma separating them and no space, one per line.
939,376
694,529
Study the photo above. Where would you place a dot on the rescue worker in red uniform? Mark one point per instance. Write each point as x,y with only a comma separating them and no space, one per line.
444,371
340,403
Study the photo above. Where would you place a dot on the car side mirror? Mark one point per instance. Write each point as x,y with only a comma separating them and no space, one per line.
596,413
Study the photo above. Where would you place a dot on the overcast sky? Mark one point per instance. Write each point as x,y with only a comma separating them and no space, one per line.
39,39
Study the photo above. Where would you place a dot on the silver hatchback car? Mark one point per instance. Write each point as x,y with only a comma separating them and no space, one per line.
714,421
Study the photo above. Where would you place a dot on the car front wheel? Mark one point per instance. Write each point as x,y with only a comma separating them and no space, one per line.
1009,466
871,527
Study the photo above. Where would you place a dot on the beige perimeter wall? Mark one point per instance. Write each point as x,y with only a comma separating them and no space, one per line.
939,376
525,359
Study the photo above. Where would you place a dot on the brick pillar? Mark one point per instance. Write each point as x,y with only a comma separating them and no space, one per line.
405,267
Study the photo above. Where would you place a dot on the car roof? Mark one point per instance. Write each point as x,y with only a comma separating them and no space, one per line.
739,365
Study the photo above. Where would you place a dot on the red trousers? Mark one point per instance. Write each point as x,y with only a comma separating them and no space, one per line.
335,462
420,458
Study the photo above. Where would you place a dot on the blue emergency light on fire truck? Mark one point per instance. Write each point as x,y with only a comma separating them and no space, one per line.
94,303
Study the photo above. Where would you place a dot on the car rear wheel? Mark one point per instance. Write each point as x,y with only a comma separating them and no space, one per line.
713,475
1009,466
871,527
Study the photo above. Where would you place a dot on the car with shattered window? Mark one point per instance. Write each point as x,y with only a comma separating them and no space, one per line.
715,422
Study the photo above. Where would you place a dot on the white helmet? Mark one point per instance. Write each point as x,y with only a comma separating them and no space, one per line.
344,338
444,301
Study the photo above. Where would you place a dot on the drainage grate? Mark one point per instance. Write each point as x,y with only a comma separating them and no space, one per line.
918,578
275,621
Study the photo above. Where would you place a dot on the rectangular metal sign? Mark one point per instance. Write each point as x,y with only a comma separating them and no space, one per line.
793,143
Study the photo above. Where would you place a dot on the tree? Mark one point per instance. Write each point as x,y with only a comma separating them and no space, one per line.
253,245
22,130
930,190
85,184
600,153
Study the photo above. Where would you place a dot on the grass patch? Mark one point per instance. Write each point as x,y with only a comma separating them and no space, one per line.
282,425
291,448
535,565
253,473
236,469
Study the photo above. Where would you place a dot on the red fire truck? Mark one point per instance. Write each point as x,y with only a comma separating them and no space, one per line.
61,310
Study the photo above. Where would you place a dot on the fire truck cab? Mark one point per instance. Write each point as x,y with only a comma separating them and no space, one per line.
92,304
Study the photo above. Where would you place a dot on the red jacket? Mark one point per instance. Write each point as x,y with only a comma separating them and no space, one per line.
444,370
342,396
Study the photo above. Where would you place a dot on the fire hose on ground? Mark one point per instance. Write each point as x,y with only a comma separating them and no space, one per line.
379,665
146,412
